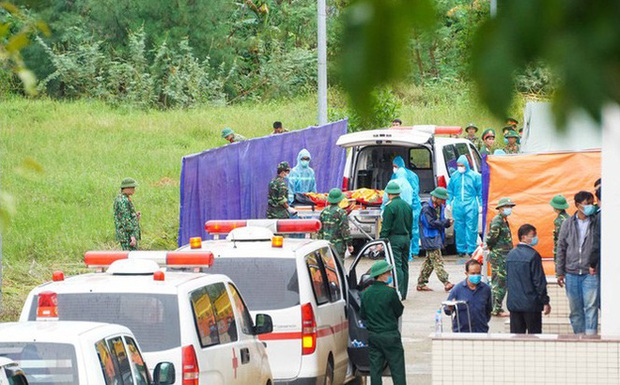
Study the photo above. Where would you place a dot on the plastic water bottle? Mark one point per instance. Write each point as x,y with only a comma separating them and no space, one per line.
438,323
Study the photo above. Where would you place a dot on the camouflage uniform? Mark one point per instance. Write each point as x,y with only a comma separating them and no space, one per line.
278,197
499,242
335,228
126,222
433,261
476,141
514,149
557,224
238,138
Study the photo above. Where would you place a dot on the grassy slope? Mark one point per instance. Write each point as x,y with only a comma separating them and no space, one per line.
86,148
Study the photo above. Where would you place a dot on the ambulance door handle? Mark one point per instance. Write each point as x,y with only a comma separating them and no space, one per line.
245,355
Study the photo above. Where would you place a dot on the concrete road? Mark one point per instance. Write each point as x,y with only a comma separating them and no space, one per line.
419,318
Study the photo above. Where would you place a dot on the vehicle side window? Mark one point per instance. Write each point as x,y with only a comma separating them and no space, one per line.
107,365
246,319
204,317
449,156
137,363
224,315
476,157
421,163
119,356
319,286
331,271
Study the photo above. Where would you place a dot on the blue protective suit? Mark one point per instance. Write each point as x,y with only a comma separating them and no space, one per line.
406,192
465,195
301,179
416,205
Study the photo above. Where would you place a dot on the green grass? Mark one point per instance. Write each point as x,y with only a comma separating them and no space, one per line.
86,148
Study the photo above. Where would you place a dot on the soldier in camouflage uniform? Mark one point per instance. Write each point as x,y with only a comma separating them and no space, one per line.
230,136
512,147
471,130
335,224
126,218
277,201
499,242
559,205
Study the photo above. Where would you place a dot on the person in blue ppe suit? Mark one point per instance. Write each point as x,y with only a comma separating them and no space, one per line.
301,179
416,205
465,192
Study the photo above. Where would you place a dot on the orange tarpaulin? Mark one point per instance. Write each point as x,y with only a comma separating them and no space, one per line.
531,180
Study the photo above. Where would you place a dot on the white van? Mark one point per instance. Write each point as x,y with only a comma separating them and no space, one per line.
199,322
369,165
317,336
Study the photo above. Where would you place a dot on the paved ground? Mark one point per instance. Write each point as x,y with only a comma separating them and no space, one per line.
419,322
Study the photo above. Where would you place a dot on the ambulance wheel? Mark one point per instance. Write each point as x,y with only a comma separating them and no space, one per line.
329,372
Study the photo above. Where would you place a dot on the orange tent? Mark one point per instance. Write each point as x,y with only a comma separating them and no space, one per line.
531,180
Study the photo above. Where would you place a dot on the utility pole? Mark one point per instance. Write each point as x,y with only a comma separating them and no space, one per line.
493,8
322,61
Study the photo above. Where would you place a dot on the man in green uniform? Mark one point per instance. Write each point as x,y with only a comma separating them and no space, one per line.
380,309
499,243
488,140
471,130
512,147
277,201
397,222
335,224
126,218
559,205
229,135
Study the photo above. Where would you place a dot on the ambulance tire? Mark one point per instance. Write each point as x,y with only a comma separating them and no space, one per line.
329,372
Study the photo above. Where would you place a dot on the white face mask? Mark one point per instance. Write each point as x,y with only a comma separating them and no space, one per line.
395,169
461,169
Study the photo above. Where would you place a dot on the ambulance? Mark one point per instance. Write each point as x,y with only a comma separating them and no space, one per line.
314,302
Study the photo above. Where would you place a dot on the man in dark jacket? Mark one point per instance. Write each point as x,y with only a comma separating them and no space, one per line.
527,284
433,225
578,238
475,314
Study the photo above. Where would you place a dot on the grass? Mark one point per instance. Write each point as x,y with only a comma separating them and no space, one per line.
85,148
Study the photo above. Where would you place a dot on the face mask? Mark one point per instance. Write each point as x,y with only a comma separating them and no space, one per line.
589,209
304,163
534,241
505,141
507,211
395,169
389,280
475,278
461,169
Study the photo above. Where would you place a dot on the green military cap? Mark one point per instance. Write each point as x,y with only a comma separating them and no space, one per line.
379,268
440,193
283,166
488,132
128,182
505,202
472,125
227,131
392,188
512,121
511,134
559,202
335,195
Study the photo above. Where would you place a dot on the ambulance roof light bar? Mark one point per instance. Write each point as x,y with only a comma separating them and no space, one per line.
430,129
277,226
99,259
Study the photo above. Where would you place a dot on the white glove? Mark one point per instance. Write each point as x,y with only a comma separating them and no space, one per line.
448,207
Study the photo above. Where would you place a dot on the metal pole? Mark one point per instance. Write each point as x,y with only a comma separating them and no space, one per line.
493,8
322,62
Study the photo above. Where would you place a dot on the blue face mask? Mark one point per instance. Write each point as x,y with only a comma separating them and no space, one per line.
589,209
505,141
389,280
475,278
534,241
304,163
507,211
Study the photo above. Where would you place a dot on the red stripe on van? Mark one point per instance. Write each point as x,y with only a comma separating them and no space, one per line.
324,332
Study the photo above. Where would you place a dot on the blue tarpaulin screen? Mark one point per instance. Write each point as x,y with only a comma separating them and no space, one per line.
231,182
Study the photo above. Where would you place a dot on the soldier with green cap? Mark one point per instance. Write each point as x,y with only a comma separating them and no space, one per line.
397,224
381,309
512,147
559,205
499,243
433,224
335,224
488,140
277,201
229,135
471,130
126,218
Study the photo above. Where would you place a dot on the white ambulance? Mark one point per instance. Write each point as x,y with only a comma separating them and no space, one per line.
318,337
197,321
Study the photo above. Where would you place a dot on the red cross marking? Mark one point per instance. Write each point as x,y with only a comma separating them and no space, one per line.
235,363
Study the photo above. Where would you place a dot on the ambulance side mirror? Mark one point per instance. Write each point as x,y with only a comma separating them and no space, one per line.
263,324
